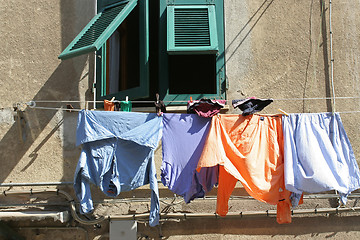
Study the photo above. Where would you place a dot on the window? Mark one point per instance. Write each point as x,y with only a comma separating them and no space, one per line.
171,47
122,66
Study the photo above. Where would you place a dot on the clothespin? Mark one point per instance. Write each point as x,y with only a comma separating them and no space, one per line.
157,98
112,99
283,112
126,98
69,106
158,108
190,99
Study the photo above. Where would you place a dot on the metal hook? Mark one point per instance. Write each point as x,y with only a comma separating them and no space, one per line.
31,104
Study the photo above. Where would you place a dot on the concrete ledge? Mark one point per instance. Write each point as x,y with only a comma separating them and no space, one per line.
34,215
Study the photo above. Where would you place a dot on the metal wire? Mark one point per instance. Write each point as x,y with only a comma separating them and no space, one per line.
331,59
185,101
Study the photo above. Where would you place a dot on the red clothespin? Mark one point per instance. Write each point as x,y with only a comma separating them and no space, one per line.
190,99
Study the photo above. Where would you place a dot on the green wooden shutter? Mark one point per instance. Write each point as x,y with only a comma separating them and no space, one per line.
191,29
98,30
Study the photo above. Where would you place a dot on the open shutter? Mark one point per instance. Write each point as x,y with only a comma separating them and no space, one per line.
98,30
191,29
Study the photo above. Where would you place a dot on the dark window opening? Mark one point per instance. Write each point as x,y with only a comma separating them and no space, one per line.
154,47
190,74
123,55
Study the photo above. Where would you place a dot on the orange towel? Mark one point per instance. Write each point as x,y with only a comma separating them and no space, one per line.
109,105
249,149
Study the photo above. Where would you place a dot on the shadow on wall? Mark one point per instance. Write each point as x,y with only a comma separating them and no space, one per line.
324,44
263,8
231,50
63,84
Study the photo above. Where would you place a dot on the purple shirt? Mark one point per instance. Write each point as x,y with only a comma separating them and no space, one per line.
183,140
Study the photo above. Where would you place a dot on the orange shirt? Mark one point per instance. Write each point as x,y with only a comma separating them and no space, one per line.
249,149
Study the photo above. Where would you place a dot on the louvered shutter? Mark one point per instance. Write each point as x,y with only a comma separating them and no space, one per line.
191,29
98,30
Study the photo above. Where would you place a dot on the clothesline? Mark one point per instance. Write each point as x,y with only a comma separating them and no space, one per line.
78,110
69,108
183,101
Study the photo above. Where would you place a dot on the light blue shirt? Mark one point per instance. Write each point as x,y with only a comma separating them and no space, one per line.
117,155
318,155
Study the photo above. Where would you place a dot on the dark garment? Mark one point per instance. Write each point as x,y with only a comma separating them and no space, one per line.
251,105
117,105
205,107
160,107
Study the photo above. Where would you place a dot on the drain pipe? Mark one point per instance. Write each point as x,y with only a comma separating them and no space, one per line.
29,184
235,215
182,215
34,215
67,196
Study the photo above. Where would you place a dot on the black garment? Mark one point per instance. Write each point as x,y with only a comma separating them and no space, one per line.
159,105
205,107
251,105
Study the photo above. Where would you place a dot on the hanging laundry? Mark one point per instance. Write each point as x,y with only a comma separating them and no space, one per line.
160,107
182,143
117,155
126,106
248,149
111,105
115,105
251,105
205,107
318,155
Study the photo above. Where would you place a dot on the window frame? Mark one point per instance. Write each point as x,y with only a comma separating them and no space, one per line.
142,91
163,54
99,29
159,77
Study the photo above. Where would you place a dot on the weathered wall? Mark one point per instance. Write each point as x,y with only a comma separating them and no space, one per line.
40,147
33,33
274,49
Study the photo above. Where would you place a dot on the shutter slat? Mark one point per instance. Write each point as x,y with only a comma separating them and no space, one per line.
188,22
98,30
191,28
99,26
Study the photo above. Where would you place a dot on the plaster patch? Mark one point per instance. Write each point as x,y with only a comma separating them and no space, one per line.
6,116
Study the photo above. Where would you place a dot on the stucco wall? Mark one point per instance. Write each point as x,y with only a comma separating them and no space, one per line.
274,49
33,34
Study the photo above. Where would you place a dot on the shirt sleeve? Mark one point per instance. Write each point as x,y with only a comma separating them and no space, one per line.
82,185
155,204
